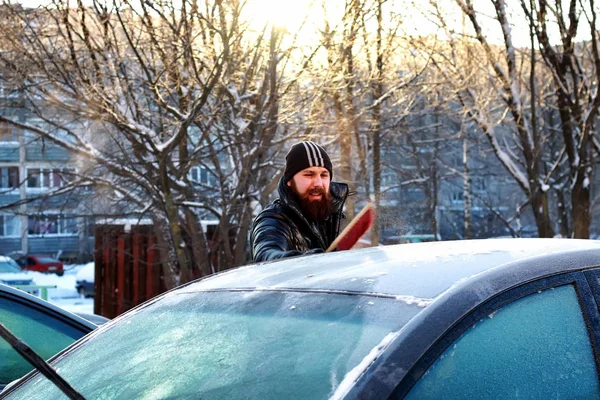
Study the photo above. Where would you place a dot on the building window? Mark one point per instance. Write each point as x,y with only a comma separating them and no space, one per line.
456,162
388,178
458,196
194,174
90,226
479,184
9,177
48,178
67,226
202,176
7,133
10,225
53,224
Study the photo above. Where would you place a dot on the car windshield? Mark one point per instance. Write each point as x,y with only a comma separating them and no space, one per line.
9,266
223,345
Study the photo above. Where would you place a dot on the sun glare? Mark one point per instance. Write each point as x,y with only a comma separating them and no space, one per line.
282,14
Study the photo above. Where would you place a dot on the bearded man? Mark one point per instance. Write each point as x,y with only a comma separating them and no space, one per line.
306,217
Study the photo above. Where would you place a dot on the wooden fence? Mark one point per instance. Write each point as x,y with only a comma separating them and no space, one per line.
128,270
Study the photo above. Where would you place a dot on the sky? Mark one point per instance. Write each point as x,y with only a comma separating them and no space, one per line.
416,21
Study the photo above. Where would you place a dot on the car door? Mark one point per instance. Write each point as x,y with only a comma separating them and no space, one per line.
535,341
31,263
44,330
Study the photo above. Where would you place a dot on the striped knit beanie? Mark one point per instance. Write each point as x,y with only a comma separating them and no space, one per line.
305,155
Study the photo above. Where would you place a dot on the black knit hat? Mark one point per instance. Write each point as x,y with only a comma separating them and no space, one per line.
305,155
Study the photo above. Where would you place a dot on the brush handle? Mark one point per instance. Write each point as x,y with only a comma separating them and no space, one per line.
347,229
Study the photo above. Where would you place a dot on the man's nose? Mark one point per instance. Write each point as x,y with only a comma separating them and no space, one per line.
318,181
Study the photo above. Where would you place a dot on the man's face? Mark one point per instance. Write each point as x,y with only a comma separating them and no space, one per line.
311,187
311,183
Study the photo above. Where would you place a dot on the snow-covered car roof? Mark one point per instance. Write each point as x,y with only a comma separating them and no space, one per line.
398,270
86,273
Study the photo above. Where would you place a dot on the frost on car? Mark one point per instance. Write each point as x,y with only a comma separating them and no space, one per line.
448,320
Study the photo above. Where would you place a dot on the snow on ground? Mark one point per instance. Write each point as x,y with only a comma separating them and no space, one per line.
76,305
65,295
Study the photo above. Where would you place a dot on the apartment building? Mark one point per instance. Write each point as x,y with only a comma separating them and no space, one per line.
32,218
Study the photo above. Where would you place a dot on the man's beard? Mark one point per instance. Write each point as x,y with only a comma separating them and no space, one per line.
314,210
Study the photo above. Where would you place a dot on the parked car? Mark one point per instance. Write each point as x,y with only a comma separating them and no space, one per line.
11,274
43,326
84,280
40,263
515,318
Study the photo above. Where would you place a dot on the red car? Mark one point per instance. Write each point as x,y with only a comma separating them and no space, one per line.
41,264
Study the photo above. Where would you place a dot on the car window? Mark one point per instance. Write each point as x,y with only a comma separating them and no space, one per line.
536,347
45,334
227,345
46,260
9,266
31,261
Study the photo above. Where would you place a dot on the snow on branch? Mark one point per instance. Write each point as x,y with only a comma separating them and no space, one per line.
487,126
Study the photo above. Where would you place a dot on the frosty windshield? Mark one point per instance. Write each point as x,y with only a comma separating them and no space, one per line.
226,344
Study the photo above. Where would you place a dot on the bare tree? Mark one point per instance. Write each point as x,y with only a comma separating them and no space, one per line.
493,95
363,91
574,68
376,130
162,88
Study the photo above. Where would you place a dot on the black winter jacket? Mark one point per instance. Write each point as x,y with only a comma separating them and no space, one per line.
281,230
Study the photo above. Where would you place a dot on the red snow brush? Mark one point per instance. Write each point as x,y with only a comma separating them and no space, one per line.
355,229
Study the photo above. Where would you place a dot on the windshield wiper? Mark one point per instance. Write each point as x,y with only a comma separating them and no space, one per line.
39,363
